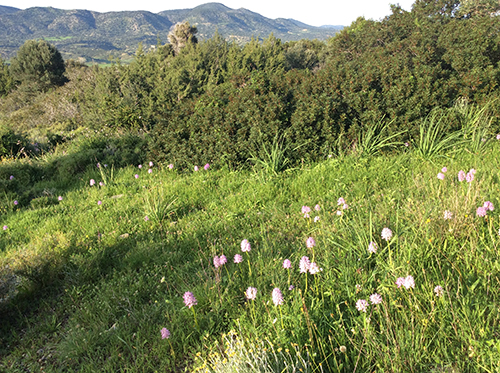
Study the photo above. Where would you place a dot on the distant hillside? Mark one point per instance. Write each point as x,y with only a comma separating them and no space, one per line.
96,36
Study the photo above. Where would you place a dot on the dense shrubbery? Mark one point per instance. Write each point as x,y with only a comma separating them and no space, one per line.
223,103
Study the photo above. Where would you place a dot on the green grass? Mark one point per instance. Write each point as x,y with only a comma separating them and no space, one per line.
91,286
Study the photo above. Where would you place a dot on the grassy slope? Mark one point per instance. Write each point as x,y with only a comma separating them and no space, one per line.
103,281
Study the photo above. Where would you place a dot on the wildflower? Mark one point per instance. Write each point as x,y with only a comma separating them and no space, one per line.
361,305
400,281
313,268
317,207
150,171
223,259
376,298
15,202
345,206
316,219
99,203
140,166
340,201
470,176
165,334
5,227
448,215
291,287
98,165
461,175
206,167
343,349
358,288
150,164
171,166
92,182
146,218
304,264
245,246
216,262
189,299
439,291
372,247
11,177
440,176
101,183
488,206
196,168
59,198
339,213
305,209
251,293
136,176
409,282
310,243
277,297
498,136
386,234
238,258
287,264
444,169
481,211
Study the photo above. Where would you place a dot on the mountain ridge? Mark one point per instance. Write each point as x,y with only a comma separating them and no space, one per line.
88,35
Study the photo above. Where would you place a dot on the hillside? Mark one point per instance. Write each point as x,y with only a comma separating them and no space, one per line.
96,36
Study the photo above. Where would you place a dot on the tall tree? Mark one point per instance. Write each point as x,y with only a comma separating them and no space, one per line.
181,35
38,66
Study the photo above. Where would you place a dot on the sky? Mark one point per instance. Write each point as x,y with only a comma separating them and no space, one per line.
311,12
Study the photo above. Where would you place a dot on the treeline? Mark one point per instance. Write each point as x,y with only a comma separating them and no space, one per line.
219,102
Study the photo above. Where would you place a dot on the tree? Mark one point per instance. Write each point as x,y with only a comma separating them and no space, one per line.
38,66
5,79
181,35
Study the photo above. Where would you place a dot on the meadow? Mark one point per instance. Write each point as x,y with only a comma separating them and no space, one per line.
383,259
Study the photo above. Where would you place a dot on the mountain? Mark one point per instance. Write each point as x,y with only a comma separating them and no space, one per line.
94,36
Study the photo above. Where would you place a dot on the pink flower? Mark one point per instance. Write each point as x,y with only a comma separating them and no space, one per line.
340,201
277,297
92,182
5,227
439,291
287,264
345,206
196,168
101,183
461,175
488,206
448,215
59,198
409,282
189,299
304,264
313,268
146,218
339,213
372,247
400,281
317,207
245,246
216,261
251,293
222,259
498,136
444,169
150,171
140,166
481,211
376,298
470,176
206,167
238,258
386,234
440,176
316,219
99,203
361,305
165,334
306,209
15,202
171,166
136,176
150,164
310,243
